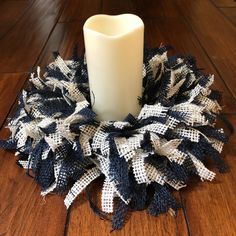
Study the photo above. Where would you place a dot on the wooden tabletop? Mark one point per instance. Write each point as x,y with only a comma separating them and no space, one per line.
31,29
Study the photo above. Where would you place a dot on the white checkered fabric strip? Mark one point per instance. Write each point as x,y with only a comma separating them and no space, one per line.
139,170
195,92
135,141
209,105
172,122
105,148
108,194
81,184
84,141
46,122
32,130
45,154
88,130
121,124
169,149
156,128
124,149
25,164
62,66
80,105
203,172
21,137
217,144
152,110
177,156
173,86
103,164
154,175
64,129
156,141
99,137
192,113
73,93
155,62
211,81
54,140
37,82
176,184
191,134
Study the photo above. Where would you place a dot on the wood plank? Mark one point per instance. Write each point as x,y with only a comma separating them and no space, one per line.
21,47
216,34
155,9
23,211
76,10
230,13
10,84
224,3
11,11
211,207
113,7
83,221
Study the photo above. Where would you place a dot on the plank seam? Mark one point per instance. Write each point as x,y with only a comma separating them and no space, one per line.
185,215
67,222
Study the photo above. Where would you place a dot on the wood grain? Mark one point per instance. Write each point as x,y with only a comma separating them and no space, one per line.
20,48
63,39
156,9
224,3
113,7
230,13
11,11
10,85
80,10
216,34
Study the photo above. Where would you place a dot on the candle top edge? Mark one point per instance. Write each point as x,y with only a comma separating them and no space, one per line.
113,26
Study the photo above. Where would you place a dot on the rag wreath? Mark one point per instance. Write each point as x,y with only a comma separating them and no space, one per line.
56,135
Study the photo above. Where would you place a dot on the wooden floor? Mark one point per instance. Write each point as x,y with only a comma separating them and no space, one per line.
31,29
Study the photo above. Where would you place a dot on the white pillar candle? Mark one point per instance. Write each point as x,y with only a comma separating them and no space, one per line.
114,55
